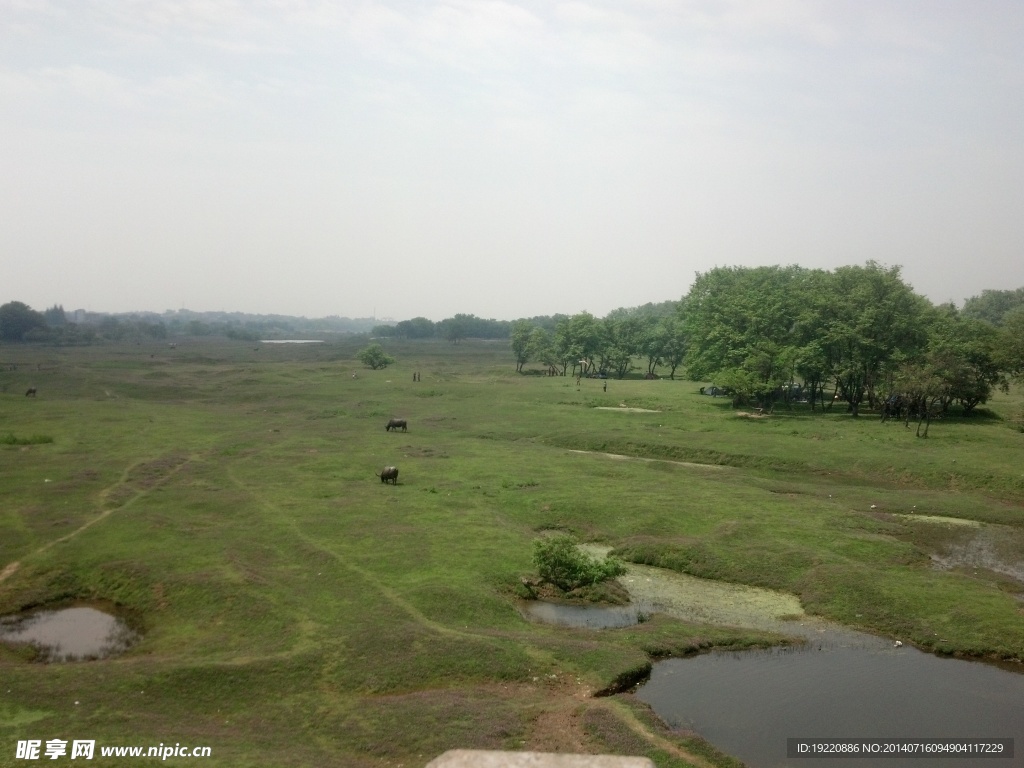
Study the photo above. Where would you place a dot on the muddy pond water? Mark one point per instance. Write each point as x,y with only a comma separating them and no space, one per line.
69,634
838,684
841,685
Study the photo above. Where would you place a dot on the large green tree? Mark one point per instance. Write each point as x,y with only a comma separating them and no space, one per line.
668,341
1010,344
741,324
577,338
963,353
374,357
417,328
620,340
519,338
872,319
18,319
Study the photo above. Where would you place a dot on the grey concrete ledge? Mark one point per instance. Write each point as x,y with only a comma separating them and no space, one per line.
482,758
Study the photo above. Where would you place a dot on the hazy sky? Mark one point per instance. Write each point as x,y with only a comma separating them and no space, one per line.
506,159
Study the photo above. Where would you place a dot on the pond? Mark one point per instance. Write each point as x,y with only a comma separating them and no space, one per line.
839,684
291,341
843,685
69,634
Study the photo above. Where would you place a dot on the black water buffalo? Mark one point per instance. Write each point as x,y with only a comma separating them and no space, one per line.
396,424
31,392
388,473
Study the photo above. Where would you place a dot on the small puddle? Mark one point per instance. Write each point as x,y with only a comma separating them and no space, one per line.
69,634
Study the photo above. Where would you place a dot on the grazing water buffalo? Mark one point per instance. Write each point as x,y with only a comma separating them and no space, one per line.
31,392
396,424
388,474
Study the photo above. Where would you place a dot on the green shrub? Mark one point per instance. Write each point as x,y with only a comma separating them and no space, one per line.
559,562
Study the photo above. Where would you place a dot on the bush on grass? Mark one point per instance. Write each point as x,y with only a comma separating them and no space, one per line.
559,562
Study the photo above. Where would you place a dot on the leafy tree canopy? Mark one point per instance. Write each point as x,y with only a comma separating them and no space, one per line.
18,319
993,306
417,328
374,357
761,327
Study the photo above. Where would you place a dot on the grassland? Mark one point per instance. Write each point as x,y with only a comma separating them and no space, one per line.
297,612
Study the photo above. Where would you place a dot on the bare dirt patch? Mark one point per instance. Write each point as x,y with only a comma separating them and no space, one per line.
940,519
9,570
995,548
621,457
747,415
623,409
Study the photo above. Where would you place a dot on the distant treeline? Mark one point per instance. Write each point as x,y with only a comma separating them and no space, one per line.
20,323
459,327
759,333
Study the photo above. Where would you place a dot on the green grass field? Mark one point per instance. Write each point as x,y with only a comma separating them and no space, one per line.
297,612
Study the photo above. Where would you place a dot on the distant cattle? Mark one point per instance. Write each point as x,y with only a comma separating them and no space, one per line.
31,392
396,424
388,474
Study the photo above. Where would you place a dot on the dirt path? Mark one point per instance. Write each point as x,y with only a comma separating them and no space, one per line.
558,725
622,457
387,592
121,487
630,719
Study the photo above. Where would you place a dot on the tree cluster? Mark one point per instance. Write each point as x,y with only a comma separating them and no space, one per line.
583,344
994,306
453,329
20,323
859,332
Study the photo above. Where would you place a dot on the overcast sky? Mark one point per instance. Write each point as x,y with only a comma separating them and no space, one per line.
410,157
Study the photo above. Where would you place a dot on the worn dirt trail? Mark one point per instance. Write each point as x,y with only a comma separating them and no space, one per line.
623,457
123,483
562,700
